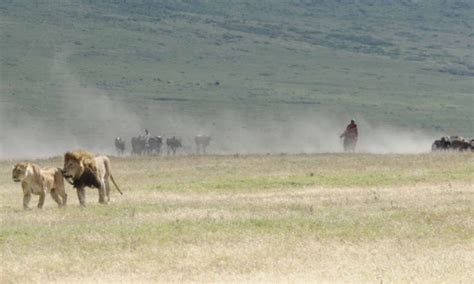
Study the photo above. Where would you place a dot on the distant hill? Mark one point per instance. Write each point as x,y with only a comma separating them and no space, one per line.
161,64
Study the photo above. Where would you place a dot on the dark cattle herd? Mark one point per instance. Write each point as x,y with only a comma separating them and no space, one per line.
146,146
453,143
153,145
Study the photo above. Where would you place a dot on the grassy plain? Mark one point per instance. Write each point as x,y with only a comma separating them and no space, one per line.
334,217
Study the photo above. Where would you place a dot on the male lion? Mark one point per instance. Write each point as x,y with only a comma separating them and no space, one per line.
35,180
82,169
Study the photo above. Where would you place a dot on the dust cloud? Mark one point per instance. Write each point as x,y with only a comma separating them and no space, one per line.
89,118
98,120
76,116
303,133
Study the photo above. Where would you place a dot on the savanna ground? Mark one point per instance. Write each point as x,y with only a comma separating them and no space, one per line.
327,217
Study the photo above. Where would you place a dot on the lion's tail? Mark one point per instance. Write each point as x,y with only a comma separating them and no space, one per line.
116,186
107,165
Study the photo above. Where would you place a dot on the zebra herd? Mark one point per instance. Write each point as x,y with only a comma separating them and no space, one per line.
153,145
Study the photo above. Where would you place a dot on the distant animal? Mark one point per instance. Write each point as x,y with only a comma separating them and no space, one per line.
119,146
459,143
155,144
202,141
173,144
441,144
454,143
83,169
138,145
35,180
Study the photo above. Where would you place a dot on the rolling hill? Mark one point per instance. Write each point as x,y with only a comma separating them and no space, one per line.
86,71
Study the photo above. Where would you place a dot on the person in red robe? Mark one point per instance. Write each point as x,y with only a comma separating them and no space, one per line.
350,136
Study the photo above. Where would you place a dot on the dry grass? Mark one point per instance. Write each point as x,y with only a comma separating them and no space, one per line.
284,218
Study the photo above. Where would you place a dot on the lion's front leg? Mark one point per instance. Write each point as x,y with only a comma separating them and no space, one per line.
26,195
26,200
81,195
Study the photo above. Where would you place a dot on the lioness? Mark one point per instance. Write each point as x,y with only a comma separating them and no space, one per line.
82,169
35,180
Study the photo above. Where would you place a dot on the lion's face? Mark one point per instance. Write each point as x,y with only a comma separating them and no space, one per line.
19,172
73,169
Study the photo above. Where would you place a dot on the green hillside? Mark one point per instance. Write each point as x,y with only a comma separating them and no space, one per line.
403,63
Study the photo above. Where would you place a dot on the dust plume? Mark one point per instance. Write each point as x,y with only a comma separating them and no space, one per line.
234,132
85,117
77,117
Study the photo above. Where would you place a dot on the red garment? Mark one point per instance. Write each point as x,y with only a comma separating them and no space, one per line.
351,131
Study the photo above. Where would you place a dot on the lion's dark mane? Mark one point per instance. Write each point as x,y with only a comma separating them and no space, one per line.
88,178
